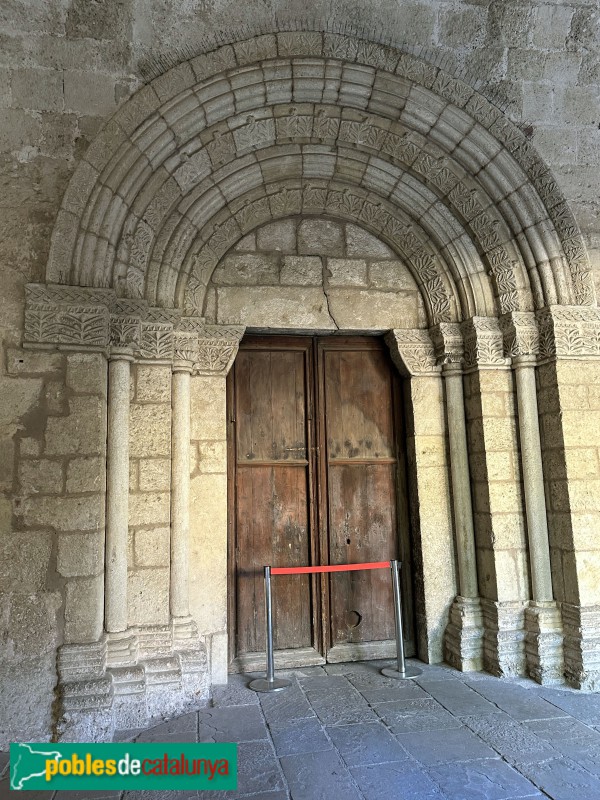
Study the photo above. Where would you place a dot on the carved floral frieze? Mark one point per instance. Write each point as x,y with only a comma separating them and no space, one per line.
569,332
95,319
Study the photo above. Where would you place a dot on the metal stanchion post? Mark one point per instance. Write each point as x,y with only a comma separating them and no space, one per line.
402,670
270,683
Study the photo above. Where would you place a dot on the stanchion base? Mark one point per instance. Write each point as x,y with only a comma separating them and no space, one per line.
409,672
263,685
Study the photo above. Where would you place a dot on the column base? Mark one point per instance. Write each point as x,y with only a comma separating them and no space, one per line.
544,643
463,641
504,638
581,625
130,680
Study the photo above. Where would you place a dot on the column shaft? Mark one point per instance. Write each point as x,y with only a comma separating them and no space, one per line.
180,491
461,485
117,493
533,479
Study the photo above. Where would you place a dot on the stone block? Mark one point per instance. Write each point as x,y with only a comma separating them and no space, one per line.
357,309
346,272
551,26
154,474
208,551
301,271
274,307
18,396
392,275
207,400
149,430
24,560
56,395
27,700
83,432
557,145
148,596
246,270
361,244
30,447
28,362
31,630
20,131
41,476
84,609
80,554
248,243
320,237
63,513
152,383
89,93
7,464
86,474
96,20
212,456
37,89
464,27
149,508
151,547
279,235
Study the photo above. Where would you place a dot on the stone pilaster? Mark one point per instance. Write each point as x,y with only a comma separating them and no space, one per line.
497,496
431,509
464,634
569,405
543,643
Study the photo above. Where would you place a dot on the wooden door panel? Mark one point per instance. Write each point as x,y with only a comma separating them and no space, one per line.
272,528
358,405
316,478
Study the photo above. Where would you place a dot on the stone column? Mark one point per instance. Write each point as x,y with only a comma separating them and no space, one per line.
543,643
497,501
429,489
464,634
180,490
117,490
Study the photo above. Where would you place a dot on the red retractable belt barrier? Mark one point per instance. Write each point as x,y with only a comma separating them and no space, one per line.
333,568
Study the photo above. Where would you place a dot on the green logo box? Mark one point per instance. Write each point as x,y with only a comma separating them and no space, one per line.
123,766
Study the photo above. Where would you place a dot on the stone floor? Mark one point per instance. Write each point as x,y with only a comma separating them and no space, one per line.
345,732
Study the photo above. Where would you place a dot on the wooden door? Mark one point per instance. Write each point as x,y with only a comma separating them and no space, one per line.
316,476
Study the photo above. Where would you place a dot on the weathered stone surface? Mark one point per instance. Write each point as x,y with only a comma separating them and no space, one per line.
346,272
86,474
63,513
148,596
149,430
277,236
247,270
277,307
27,362
149,508
83,432
87,373
391,275
154,474
320,237
320,774
356,309
151,548
41,476
80,554
301,271
24,560
152,384
361,244
84,609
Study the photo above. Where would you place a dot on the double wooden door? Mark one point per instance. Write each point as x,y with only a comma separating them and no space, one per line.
316,455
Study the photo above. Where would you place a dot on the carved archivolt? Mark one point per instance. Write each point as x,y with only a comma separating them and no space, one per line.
178,160
89,319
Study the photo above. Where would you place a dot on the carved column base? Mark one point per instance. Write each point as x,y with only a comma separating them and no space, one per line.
504,638
130,680
544,643
581,627
463,643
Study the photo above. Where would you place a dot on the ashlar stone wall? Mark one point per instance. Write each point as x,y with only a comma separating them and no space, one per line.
314,273
52,536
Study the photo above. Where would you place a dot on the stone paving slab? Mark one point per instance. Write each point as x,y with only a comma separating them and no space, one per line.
445,746
345,732
366,743
319,776
400,781
487,779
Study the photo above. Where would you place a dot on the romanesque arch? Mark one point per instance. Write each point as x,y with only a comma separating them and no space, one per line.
311,125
